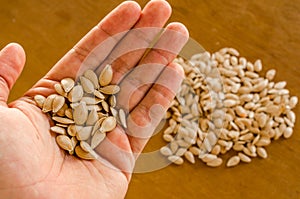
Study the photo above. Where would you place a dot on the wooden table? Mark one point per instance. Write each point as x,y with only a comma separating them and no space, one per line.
268,30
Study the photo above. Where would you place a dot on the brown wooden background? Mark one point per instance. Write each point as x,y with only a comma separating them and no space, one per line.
268,29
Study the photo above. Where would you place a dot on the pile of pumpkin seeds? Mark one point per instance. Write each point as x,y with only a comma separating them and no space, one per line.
83,112
225,104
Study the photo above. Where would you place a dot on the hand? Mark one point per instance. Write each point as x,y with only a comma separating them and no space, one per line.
31,163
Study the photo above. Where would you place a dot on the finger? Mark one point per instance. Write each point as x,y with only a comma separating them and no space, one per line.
131,49
121,19
144,118
12,60
135,86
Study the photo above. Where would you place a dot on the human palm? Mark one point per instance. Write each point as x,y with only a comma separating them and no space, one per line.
31,163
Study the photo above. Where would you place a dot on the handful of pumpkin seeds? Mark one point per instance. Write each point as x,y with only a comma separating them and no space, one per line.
83,111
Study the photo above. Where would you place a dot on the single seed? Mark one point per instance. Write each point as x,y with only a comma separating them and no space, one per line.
244,158
57,103
39,99
233,161
91,75
215,162
87,85
47,105
75,94
190,157
108,124
67,84
110,89
175,159
62,120
58,130
59,89
64,142
262,152
106,75
85,155
80,113
122,117
85,146
166,151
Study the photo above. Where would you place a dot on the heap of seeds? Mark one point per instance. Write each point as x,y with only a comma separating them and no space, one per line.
83,112
224,104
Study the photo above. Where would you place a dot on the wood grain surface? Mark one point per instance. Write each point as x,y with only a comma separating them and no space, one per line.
267,29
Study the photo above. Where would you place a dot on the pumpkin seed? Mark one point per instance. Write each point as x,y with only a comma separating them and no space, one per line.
80,113
75,94
87,85
64,142
108,124
97,138
110,89
39,99
91,75
67,84
106,75
85,155
58,130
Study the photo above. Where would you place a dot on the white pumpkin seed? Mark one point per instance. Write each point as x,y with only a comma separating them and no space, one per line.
97,138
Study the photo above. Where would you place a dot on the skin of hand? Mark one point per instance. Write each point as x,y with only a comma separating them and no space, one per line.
32,165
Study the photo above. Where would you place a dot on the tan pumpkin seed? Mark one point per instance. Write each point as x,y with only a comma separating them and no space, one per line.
105,106
208,157
189,156
59,89
110,89
99,95
85,146
108,124
270,74
64,142
106,75
69,113
47,105
67,84
80,113
244,158
175,159
62,120
39,99
85,155
262,152
233,161
215,162
58,130
92,118
97,138
73,129
91,75
57,103
112,101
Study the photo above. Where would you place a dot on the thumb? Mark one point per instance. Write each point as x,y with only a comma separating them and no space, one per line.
12,60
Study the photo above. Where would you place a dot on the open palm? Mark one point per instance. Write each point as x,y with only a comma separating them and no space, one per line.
31,163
